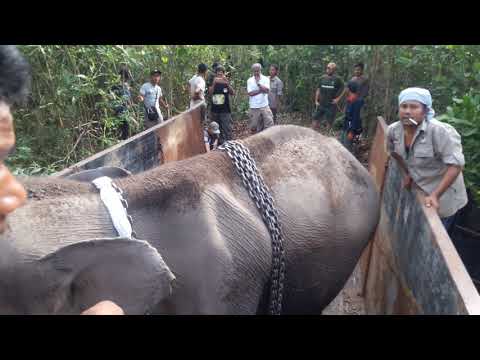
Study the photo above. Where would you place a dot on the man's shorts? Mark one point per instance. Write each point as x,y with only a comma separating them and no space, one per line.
260,119
327,113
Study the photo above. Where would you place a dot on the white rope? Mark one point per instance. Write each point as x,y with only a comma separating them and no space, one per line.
113,202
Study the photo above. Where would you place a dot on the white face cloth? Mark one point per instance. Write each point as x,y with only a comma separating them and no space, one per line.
418,94
111,199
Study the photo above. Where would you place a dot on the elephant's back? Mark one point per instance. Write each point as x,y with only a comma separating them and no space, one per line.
328,206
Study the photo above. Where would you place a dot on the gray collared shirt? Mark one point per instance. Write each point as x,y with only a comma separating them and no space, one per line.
276,90
435,145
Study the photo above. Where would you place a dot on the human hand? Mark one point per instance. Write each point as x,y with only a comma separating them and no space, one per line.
334,101
104,308
432,201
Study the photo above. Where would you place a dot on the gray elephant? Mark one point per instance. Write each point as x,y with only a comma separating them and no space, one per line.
206,249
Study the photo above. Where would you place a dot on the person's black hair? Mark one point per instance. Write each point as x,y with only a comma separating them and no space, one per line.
14,75
202,68
352,86
155,72
275,66
214,65
219,68
360,65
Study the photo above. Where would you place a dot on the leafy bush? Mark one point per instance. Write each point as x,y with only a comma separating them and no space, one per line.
464,115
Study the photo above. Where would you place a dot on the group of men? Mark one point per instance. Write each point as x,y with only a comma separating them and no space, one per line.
213,90
150,95
264,101
328,95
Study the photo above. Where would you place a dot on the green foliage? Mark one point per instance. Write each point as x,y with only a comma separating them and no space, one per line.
70,113
464,115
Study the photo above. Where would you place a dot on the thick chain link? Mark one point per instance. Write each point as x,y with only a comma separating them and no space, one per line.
260,194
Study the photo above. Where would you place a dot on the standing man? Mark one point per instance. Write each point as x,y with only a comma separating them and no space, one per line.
361,80
210,77
151,95
220,92
330,90
276,91
123,102
352,125
258,86
197,86
197,90
433,153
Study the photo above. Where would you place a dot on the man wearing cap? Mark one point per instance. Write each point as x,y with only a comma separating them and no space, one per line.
330,90
258,87
151,95
211,135
433,153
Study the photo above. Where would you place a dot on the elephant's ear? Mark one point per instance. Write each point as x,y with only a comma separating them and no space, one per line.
90,175
130,273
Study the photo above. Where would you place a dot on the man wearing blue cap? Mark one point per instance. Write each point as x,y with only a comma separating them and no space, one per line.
432,151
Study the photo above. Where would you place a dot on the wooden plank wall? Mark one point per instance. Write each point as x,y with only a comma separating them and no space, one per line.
411,265
176,139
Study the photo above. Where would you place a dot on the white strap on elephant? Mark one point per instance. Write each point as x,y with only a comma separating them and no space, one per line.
113,201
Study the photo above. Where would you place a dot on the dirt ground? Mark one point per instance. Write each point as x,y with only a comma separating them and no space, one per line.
348,301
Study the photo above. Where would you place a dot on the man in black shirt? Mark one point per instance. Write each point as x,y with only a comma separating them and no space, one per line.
329,92
220,91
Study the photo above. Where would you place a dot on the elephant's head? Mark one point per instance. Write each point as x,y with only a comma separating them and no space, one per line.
130,273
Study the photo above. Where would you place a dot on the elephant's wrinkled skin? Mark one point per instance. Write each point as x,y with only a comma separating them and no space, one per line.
199,217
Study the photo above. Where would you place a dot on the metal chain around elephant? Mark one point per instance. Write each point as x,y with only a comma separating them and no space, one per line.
259,192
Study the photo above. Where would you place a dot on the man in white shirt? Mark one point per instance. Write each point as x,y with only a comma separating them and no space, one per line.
258,86
197,90
151,95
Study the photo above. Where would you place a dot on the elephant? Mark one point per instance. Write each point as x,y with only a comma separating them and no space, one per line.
201,245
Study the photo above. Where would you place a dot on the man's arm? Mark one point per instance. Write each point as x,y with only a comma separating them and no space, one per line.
317,97
250,90
215,144
141,96
448,178
163,102
254,92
